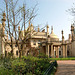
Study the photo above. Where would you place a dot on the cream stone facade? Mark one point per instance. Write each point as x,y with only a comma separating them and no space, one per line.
43,41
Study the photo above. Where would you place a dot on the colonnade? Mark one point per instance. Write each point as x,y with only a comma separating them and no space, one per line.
55,50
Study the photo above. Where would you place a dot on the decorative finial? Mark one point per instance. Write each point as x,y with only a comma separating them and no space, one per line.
48,36
38,28
7,35
51,27
62,31
7,32
4,14
18,27
31,24
73,24
69,36
62,36
47,26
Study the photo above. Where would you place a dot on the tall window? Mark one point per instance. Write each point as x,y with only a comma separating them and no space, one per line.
15,45
17,52
59,52
5,53
34,42
38,41
11,46
55,53
68,53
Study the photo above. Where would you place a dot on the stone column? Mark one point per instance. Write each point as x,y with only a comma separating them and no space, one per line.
47,50
66,51
19,33
7,35
0,45
3,34
47,30
3,24
63,48
72,31
52,51
58,51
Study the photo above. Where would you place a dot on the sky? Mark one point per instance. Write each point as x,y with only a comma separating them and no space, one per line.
53,13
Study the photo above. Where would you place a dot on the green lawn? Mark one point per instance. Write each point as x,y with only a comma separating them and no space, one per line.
69,58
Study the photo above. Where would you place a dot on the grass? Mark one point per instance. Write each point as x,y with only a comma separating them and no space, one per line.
68,58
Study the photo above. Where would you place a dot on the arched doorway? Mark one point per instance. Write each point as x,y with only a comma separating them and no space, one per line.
27,53
68,53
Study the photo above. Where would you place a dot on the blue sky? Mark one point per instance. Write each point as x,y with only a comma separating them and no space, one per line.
52,12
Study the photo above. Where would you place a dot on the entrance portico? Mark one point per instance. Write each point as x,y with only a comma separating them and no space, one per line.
52,49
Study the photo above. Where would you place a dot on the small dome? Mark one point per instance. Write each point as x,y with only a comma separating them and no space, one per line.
53,37
47,26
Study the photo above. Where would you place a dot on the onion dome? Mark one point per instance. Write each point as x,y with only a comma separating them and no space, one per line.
53,37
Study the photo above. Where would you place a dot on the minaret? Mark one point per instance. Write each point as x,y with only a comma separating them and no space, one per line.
62,37
3,24
47,30
29,23
47,46
51,29
72,31
19,31
38,29
48,39
31,27
64,46
7,35
69,37
2,44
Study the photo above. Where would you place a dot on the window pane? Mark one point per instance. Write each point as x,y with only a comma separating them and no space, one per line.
17,53
59,52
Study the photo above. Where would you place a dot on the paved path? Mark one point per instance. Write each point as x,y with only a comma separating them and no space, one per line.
66,67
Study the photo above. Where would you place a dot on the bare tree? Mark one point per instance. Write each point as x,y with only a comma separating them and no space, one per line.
72,12
17,16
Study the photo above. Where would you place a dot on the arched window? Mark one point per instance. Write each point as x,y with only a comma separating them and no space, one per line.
67,53
59,52
16,45
34,42
17,52
5,53
38,41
